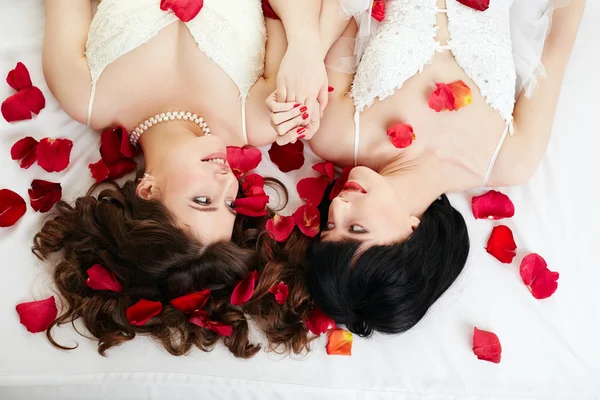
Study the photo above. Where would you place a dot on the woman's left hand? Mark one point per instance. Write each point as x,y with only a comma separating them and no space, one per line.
292,121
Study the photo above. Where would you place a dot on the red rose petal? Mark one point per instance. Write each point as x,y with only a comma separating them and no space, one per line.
442,98
280,227
54,154
139,313
24,151
99,278
486,346
339,183
43,195
192,302
280,291
110,146
318,322
289,157
121,167
99,170
339,343
480,5
308,219
253,185
201,319
255,206
186,10
19,78
37,316
243,159
127,149
501,244
268,10
541,282
12,208
325,168
378,10
312,190
33,99
244,289
14,109
492,205
401,135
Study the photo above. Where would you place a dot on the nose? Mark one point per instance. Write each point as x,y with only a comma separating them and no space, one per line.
338,208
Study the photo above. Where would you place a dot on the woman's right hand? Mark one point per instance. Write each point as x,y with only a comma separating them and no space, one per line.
292,121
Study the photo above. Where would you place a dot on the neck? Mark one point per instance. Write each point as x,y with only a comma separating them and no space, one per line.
418,182
160,137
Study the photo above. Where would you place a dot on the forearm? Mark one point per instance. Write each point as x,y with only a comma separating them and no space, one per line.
300,19
332,23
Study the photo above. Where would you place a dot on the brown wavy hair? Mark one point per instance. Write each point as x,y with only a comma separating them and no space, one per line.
154,259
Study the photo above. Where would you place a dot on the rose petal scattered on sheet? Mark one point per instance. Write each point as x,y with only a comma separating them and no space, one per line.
289,157
401,135
99,170
318,322
139,313
308,219
99,278
43,195
192,302
492,205
541,282
37,316
325,168
12,208
24,152
486,346
19,78
201,319
280,291
501,244
54,155
339,343
244,289
280,227
255,206
312,190
243,159
185,10
479,5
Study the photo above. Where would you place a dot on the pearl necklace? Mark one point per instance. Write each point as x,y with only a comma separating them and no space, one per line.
166,117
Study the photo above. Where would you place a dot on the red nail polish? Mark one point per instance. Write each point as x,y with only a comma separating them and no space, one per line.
301,137
330,88
301,129
304,116
303,109
296,105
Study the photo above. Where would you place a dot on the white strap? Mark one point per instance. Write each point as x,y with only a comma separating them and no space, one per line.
91,104
441,10
356,136
244,132
488,174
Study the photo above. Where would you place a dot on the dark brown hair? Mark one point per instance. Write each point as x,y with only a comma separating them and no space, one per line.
154,259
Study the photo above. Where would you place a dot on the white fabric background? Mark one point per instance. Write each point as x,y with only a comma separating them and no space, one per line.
550,347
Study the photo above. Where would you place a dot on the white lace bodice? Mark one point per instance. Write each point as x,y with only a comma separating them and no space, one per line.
231,33
405,42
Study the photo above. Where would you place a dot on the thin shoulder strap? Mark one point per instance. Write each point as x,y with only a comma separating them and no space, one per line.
356,136
91,104
244,128
509,128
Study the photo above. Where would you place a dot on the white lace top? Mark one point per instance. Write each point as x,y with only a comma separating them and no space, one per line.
231,33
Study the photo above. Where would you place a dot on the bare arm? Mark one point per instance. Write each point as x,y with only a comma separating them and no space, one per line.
63,59
534,116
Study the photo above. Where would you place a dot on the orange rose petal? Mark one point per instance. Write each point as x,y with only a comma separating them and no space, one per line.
462,94
339,343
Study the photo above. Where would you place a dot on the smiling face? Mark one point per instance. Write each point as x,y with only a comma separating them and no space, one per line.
368,210
196,184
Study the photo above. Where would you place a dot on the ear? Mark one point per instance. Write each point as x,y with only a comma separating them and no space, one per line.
414,222
145,188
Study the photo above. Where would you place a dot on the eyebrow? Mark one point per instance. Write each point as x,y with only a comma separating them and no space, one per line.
212,209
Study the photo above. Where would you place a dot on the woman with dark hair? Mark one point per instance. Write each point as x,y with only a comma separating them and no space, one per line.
392,243
172,73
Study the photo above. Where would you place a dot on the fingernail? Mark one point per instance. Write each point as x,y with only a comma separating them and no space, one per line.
301,129
330,88
301,137
296,105
305,115
303,109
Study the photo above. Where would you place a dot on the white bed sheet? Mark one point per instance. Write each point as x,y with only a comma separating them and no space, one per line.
550,347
